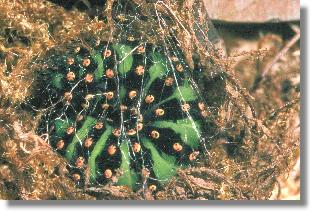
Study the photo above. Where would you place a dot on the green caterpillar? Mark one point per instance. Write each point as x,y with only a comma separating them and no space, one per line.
126,109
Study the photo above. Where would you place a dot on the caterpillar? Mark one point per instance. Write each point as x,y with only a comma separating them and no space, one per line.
127,109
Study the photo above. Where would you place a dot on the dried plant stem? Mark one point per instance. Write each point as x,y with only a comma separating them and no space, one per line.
293,41
284,107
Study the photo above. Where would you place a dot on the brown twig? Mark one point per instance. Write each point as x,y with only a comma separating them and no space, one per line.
288,105
294,40
247,97
218,175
